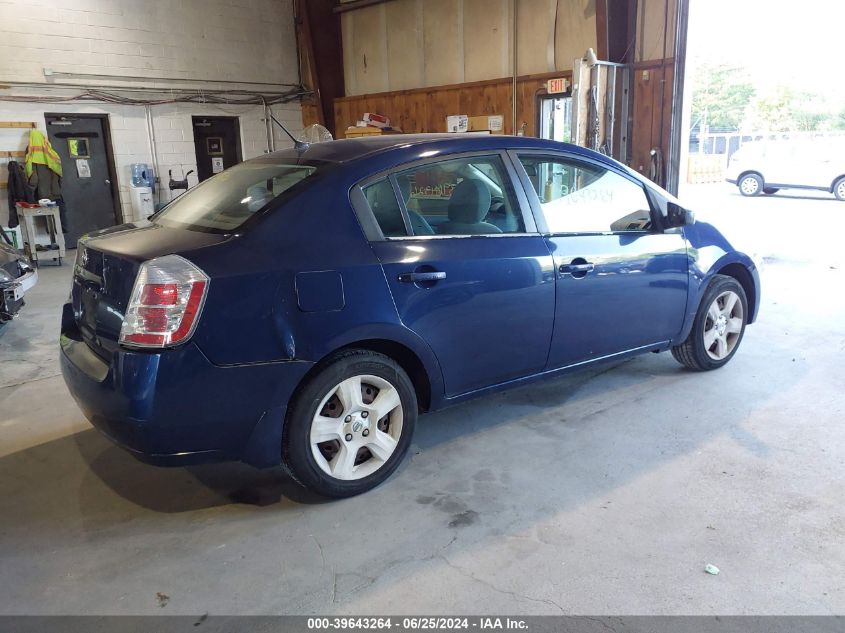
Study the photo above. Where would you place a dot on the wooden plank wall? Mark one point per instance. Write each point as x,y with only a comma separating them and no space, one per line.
426,109
645,125
407,44
310,114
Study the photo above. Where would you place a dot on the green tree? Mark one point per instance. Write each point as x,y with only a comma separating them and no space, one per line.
785,110
773,112
720,97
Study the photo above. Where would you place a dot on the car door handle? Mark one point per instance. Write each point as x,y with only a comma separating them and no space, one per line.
575,269
422,276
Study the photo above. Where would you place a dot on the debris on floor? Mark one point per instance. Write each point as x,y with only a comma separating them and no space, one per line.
162,599
711,569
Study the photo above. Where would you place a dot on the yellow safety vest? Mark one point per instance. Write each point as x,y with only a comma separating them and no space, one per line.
40,152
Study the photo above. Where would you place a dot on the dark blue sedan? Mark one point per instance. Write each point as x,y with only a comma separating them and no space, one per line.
304,307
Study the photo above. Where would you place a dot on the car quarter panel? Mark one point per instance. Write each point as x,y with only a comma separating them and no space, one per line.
175,406
311,246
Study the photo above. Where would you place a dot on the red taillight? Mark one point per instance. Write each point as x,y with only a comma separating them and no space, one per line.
145,340
165,304
153,319
191,310
159,294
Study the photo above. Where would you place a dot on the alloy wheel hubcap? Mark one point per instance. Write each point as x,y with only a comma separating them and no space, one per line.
749,185
841,189
357,427
723,325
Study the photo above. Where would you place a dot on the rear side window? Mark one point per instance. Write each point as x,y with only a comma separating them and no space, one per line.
225,201
463,196
582,198
385,208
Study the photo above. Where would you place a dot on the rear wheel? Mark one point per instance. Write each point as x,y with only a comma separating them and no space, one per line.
718,327
839,189
350,425
750,185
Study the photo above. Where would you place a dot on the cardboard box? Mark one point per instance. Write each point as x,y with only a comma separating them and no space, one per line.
494,123
356,132
375,120
457,123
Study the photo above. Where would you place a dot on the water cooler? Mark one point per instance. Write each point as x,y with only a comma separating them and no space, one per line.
141,191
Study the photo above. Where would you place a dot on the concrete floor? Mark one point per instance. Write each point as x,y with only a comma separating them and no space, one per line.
600,493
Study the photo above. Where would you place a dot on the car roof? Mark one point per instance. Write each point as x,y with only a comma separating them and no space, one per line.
349,150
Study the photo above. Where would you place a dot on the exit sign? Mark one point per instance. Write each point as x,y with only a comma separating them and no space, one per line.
559,84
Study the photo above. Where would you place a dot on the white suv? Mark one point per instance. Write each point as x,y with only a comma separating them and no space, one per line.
767,167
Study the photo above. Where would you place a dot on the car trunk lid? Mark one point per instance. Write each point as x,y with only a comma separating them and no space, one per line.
107,264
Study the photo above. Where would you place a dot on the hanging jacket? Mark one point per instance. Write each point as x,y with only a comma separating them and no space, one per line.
40,152
47,183
19,191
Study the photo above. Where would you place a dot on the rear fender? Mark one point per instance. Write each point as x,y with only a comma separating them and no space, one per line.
396,333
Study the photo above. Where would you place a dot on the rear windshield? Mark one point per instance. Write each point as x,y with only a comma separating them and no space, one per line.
225,201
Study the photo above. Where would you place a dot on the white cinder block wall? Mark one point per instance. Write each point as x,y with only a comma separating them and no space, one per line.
216,41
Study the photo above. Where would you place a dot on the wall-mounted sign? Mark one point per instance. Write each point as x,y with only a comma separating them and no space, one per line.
83,169
557,85
216,164
214,145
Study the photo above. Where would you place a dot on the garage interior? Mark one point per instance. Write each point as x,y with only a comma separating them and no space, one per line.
604,492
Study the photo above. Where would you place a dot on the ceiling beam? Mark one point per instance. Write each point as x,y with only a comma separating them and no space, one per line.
353,5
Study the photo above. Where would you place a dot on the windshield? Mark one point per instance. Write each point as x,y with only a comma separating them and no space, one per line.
225,201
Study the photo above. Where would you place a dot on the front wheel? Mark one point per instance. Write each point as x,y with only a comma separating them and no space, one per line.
839,189
350,425
750,185
718,327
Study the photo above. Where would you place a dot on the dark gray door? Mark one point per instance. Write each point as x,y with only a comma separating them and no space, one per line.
218,144
84,146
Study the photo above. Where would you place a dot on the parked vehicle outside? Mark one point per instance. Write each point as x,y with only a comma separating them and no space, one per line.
304,307
768,167
17,277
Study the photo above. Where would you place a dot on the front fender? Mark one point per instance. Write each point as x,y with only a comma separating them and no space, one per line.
709,254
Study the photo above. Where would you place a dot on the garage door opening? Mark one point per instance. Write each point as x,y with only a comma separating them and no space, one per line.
764,125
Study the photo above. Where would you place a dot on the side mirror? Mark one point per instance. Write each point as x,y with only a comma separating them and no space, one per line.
678,215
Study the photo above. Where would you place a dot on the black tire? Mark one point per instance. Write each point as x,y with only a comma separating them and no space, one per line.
770,190
297,454
750,184
692,353
839,189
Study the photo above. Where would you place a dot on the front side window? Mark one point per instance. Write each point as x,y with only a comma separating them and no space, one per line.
225,201
581,198
463,196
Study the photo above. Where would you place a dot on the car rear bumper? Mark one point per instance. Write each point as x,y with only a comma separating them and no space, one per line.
174,407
